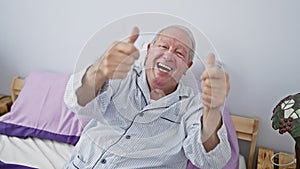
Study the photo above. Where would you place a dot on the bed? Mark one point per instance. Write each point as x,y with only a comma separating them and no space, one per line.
40,132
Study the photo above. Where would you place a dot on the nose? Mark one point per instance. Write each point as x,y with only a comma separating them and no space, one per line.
169,56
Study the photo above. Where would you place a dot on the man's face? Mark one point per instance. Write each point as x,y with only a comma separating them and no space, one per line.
168,59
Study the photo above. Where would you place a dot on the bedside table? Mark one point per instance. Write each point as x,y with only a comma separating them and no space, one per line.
264,159
5,104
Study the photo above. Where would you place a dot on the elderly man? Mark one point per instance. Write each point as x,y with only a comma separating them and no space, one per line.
144,116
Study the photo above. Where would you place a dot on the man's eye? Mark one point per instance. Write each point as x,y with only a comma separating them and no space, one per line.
179,54
163,46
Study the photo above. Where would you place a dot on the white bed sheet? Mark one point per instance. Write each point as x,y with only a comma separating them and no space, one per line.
242,163
34,152
42,153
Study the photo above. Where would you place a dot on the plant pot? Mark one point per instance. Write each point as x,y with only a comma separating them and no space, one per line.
297,151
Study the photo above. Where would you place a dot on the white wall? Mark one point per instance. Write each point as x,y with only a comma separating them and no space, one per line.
257,40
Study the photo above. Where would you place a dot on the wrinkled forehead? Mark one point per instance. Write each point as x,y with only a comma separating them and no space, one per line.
177,34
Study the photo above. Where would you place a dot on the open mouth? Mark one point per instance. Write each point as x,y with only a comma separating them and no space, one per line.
163,67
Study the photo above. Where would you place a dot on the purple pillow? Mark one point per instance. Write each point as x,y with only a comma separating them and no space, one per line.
40,111
233,162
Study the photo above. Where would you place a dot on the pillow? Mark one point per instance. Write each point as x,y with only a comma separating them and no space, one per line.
40,111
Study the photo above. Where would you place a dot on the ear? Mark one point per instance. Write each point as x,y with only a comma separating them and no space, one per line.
146,57
148,47
190,64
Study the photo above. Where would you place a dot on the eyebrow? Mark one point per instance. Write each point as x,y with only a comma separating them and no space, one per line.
181,44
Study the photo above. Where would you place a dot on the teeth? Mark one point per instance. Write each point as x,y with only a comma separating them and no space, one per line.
163,67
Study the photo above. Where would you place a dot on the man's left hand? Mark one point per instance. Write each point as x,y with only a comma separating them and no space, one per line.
214,85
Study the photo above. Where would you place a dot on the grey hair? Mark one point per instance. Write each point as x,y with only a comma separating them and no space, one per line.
185,29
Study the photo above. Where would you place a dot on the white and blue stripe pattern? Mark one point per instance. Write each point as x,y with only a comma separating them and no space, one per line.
129,131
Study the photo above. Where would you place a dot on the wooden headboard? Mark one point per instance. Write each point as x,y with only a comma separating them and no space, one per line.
246,128
15,87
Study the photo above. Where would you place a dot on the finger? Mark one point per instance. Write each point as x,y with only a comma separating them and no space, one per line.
123,69
127,48
213,83
206,90
206,100
129,60
211,101
210,62
125,59
213,73
211,59
207,83
134,35
131,52
118,75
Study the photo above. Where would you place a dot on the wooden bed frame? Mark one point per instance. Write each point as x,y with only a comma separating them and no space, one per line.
246,128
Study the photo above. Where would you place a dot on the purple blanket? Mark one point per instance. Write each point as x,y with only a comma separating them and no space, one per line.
13,166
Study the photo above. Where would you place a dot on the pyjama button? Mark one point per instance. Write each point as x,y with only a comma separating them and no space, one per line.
103,161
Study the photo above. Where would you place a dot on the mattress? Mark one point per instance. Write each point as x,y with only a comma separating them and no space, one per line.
43,153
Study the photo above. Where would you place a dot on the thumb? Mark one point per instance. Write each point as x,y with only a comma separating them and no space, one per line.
134,35
211,59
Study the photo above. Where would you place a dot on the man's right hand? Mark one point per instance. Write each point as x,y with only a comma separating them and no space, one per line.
118,59
114,64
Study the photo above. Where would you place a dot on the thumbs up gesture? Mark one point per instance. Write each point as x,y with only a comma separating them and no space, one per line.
118,59
114,64
214,85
